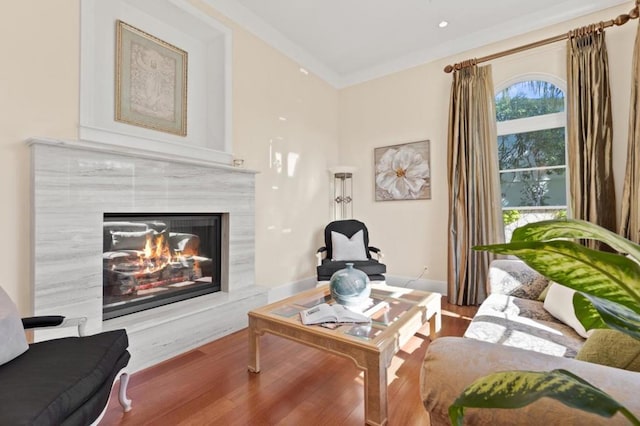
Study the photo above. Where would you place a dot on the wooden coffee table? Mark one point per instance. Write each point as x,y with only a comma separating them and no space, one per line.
370,346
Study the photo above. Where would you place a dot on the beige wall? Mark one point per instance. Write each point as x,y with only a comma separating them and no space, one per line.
413,105
291,198
323,127
40,83
39,95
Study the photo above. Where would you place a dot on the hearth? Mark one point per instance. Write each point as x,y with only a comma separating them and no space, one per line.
152,259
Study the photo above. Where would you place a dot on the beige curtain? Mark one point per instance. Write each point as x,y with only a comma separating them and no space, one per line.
474,188
589,129
630,222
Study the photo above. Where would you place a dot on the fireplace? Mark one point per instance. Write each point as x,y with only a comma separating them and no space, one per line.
76,182
154,259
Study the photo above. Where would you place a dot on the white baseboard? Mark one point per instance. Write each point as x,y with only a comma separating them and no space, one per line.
417,284
290,289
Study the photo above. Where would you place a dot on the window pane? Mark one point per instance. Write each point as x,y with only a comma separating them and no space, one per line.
529,99
516,218
532,149
543,187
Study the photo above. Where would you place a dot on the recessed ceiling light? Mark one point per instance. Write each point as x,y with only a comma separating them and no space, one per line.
304,71
443,24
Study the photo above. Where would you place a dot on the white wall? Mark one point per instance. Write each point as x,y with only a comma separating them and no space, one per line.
413,105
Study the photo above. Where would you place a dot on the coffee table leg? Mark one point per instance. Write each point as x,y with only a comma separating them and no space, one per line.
435,323
375,392
254,347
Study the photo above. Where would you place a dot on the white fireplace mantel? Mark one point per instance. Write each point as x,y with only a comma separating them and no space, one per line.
75,182
208,158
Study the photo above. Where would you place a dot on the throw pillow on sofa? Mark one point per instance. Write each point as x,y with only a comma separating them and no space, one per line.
612,348
559,303
14,341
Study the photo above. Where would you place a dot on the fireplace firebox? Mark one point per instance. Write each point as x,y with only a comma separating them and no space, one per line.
154,259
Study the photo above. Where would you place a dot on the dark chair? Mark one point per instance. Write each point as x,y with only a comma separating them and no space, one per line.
352,247
64,381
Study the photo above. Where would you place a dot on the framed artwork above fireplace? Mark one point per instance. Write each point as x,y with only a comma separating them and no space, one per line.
151,81
174,59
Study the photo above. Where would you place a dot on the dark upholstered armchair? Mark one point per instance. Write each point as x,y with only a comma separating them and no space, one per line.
348,241
64,381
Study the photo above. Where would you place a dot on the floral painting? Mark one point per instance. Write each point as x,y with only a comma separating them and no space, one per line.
403,172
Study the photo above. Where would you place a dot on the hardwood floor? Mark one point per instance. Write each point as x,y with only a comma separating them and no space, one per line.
297,385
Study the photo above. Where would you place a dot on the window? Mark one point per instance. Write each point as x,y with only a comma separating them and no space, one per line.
531,125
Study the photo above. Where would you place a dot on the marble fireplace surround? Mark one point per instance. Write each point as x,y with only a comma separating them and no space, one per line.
75,182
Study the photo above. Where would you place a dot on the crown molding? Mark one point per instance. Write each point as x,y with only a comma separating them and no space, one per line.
517,27
258,27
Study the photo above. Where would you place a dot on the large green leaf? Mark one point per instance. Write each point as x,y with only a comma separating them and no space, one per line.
605,275
574,229
586,312
515,389
612,314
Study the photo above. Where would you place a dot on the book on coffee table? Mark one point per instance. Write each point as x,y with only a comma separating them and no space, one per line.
331,313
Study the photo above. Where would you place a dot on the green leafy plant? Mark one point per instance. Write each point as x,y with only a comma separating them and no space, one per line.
560,214
607,296
510,216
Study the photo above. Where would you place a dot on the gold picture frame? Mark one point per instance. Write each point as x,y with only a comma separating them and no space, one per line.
151,81
403,172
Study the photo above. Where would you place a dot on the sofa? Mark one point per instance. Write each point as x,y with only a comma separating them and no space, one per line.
512,330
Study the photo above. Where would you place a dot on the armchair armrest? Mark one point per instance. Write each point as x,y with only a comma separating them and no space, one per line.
377,252
515,278
42,321
319,255
55,321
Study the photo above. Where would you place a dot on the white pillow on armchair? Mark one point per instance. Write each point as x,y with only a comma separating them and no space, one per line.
14,341
345,248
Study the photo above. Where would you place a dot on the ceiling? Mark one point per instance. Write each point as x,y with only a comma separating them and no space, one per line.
349,41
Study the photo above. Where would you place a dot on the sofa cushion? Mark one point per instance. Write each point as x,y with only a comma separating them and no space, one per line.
515,278
371,267
523,323
55,378
612,348
14,341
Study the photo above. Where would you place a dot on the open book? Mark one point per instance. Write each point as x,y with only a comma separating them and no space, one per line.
331,313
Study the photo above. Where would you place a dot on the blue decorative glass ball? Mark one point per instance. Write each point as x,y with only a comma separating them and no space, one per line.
350,286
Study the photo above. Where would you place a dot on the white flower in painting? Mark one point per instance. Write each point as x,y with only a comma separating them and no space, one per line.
402,172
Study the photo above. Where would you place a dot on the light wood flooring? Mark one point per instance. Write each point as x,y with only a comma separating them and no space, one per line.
297,385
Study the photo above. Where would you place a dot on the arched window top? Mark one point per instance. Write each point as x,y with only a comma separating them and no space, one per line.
531,130
528,98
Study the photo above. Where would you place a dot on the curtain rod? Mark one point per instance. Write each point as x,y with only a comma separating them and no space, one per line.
619,20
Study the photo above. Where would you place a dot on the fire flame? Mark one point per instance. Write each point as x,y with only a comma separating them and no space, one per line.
155,257
160,247
157,254
148,249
